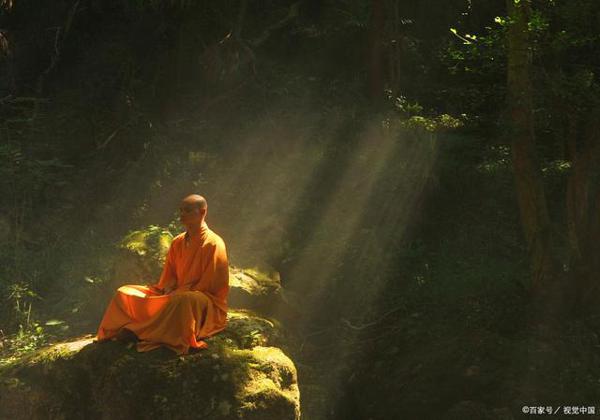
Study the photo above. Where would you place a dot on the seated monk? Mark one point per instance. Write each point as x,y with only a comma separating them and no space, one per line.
189,301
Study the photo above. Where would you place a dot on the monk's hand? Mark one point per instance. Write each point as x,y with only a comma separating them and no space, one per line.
168,289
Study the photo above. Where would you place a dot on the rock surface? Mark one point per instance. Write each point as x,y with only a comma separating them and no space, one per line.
255,288
240,376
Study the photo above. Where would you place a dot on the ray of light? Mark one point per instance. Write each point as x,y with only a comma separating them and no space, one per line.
261,188
370,209
375,158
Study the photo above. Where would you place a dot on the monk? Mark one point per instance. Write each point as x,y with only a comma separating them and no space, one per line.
189,302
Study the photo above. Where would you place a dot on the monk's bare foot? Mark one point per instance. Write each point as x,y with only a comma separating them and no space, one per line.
193,350
126,335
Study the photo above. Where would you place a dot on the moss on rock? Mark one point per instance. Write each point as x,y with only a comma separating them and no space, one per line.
246,329
258,288
142,255
240,376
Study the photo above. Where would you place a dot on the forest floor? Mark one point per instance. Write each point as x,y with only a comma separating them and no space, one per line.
475,360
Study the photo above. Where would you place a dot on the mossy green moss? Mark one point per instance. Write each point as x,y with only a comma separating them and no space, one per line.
247,329
254,281
231,379
152,241
255,288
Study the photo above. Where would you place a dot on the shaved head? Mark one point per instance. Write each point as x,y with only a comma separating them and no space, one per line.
195,200
193,210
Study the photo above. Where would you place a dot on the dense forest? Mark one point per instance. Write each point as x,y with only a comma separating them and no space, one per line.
421,178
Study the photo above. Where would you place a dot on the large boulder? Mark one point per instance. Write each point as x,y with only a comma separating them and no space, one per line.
241,375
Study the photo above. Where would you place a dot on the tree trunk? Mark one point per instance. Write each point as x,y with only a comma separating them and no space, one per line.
376,50
394,53
583,207
529,186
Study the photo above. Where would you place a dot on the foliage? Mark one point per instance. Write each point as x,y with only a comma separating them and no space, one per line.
27,339
152,241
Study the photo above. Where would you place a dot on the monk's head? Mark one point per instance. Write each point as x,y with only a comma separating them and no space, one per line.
193,210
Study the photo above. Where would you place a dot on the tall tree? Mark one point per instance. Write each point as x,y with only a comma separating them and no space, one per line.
376,29
583,205
532,202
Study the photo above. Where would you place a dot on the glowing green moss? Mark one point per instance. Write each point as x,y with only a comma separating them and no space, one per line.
153,241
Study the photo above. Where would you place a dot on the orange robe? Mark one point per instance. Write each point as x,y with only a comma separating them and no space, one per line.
197,308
